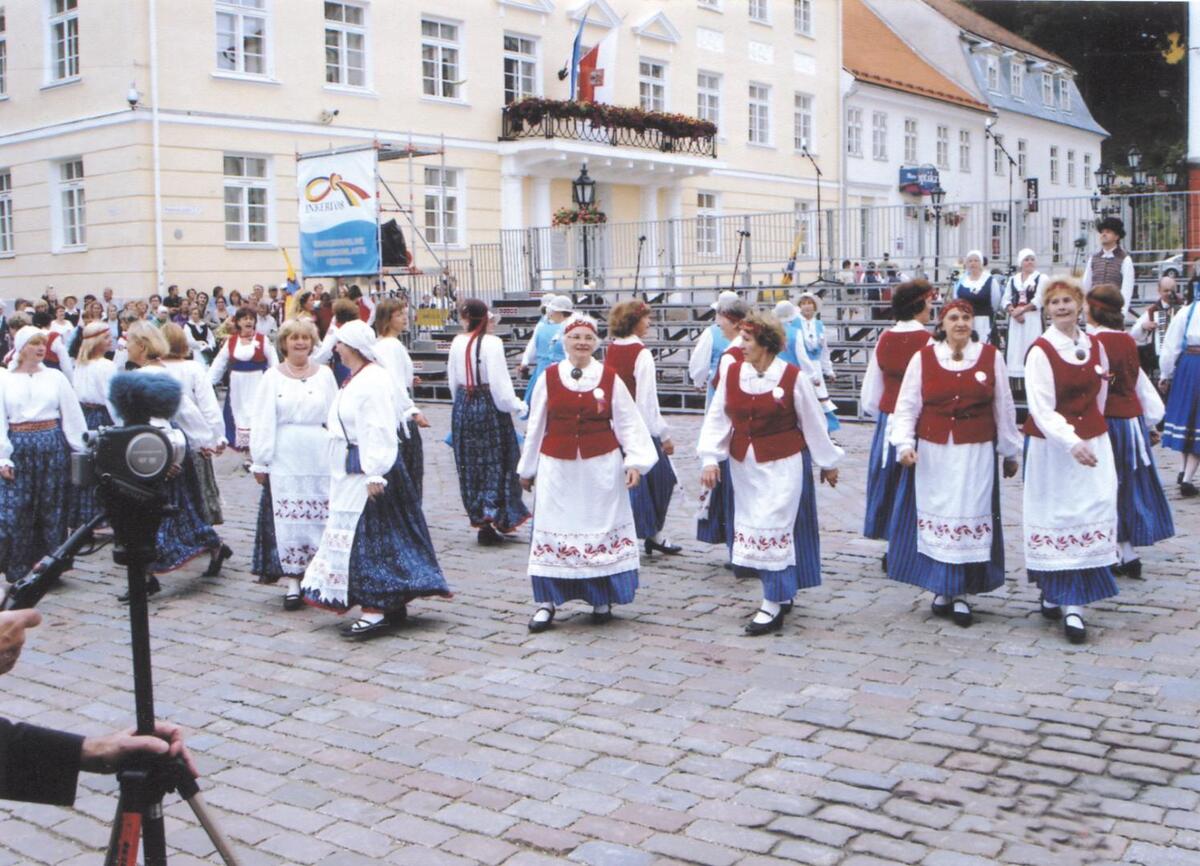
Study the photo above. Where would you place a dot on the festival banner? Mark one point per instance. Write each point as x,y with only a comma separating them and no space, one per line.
338,231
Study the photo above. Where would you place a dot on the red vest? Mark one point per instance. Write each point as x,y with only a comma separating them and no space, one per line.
1123,368
578,424
738,356
892,353
51,359
622,358
763,420
260,354
957,401
1075,389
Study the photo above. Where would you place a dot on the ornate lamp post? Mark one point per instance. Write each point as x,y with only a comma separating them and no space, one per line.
583,194
937,196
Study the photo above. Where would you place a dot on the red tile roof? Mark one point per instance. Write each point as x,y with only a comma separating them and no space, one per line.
973,22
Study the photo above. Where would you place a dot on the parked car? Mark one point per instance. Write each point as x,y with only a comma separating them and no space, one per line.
1173,266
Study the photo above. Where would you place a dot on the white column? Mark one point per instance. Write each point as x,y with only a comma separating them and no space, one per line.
674,201
1193,42
540,215
512,220
650,229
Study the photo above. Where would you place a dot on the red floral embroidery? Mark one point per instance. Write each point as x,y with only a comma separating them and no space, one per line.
953,533
1071,540
567,553
762,543
302,509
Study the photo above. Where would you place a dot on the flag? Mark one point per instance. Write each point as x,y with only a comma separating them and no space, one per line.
291,289
576,49
596,70
789,270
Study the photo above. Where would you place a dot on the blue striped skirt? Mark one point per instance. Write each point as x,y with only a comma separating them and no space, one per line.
908,565
882,474
184,534
412,452
264,558
1076,586
84,504
1143,516
486,455
34,505
652,497
717,527
1181,426
597,591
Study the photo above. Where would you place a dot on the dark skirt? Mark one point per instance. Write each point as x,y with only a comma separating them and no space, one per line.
652,497
412,452
597,591
882,473
717,527
264,558
184,534
908,565
1143,516
486,455
84,504
210,493
1181,426
34,508
1075,586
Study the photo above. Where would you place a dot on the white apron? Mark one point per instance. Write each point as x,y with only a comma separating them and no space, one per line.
954,501
1070,509
766,500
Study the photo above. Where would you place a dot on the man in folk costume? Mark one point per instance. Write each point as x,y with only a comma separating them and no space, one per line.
1110,264
1150,329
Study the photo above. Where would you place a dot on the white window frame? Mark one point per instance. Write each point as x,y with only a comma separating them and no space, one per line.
652,88
7,242
445,89
1054,163
1070,168
804,128
993,73
911,152
943,147
345,31
244,183
1022,158
1016,77
758,114
759,11
997,155
70,206
1064,94
708,96
803,214
879,126
802,13
439,234
1047,89
1087,171
854,131
527,66
3,55
710,5
964,151
708,223
64,14
1057,224
242,10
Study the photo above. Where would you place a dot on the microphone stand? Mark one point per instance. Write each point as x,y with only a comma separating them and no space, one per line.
737,260
637,273
1012,164
820,280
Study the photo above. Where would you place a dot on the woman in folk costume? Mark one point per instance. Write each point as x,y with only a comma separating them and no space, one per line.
547,339
375,551
93,372
714,340
954,418
912,307
808,343
982,290
1023,304
1179,372
287,441
628,324
246,355
586,445
200,336
484,439
1070,495
766,420
40,425
344,310
391,320
184,533
1132,411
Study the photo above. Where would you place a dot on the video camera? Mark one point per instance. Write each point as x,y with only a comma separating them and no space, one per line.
131,461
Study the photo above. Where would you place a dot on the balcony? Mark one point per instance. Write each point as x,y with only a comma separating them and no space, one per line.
534,118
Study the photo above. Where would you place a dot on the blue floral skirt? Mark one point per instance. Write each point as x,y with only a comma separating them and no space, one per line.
412,452
184,534
717,527
1143,516
264,559
34,506
597,591
882,477
84,505
1181,426
486,455
652,497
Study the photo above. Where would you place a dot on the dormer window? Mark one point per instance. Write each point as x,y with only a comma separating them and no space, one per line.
993,72
1016,77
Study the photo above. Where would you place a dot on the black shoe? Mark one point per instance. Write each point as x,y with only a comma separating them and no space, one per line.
536,625
775,623
397,616
292,602
962,618
360,629
214,566
153,587
941,609
601,617
489,537
1187,489
1118,569
1075,633
1131,569
883,563
1050,611
729,566
786,607
669,549
1179,477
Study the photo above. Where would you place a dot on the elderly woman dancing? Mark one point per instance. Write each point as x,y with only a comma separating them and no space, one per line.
766,420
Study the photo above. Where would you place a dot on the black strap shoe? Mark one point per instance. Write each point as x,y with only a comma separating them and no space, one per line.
1050,611
669,549
1132,569
961,613
153,587
600,617
775,623
538,625
1075,629
292,601
214,565
941,609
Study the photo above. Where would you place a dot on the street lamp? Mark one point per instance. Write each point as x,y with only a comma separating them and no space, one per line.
937,195
583,193
1134,156
1096,203
1139,177
1169,176
1105,178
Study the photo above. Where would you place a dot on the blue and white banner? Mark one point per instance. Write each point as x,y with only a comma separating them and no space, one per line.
339,235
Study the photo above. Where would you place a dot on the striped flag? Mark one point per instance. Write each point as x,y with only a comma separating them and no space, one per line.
576,51
789,270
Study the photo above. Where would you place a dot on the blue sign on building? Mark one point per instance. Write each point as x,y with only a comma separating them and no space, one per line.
919,180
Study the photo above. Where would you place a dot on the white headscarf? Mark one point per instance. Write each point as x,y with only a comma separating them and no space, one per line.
23,336
785,311
358,336
724,298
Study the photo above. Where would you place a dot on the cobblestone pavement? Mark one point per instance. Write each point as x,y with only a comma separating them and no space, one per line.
868,732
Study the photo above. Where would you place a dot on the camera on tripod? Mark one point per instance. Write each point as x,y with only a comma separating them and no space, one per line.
133,460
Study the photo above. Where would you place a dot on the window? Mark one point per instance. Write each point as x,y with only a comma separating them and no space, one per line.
6,221
802,124
854,131
993,73
443,206
709,4
910,139
242,36
803,217
1087,169
441,76
247,199
999,234
1022,158
759,11
64,40
803,15
71,219
652,85
1056,239
520,67
1064,94
760,113
3,55
1053,163
1047,88
708,237
943,147
878,135
1016,77
708,97
997,154
1070,168
345,44
964,150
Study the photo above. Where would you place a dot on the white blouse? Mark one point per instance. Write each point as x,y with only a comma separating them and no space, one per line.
364,413
393,357
44,395
647,388
807,336
241,352
630,429
910,401
700,358
281,400
199,415
92,380
872,386
493,370
1039,384
1174,338
717,430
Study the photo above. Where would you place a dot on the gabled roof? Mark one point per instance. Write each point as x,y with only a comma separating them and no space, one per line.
873,53
989,30
657,25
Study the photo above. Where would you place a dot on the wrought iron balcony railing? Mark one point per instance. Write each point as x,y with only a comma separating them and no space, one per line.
518,126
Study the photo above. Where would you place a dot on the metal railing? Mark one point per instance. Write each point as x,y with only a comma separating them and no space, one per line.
515,127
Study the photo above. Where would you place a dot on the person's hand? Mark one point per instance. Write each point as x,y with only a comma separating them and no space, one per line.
1155,437
1019,315
710,476
526,484
174,471
219,450
260,477
668,447
830,477
1164,385
421,420
374,488
106,754
416,381
13,624
6,472
1151,324
1010,467
1083,454
907,458
632,477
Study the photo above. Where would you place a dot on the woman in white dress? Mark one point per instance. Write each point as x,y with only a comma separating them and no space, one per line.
246,356
766,420
287,440
1070,496
391,320
93,372
586,445
983,291
1023,304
